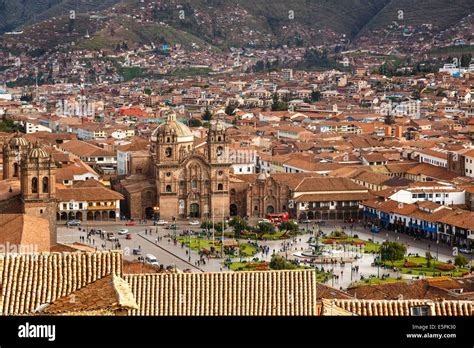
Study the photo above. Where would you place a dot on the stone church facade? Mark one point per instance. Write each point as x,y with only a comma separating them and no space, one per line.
179,179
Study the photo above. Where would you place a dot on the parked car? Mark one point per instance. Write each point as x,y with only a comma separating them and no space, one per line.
171,227
74,223
305,221
194,223
137,251
465,251
111,237
123,231
128,236
161,223
130,223
263,221
151,259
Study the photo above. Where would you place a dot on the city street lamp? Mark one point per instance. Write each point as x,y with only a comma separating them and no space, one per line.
174,228
156,213
437,250
380,259
189,236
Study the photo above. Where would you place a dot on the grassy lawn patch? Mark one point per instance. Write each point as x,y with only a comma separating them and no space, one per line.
422,269
246,249
200,243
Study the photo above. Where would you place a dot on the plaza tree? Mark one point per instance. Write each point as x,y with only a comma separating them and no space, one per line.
265,227
460,261
392,251
290,226
239,225
279,262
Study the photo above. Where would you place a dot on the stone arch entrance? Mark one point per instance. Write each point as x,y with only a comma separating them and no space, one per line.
270,209
194,210
233,210
149,213
90,216
79,215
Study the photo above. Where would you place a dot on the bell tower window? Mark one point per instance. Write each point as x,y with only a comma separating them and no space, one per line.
220,151
168,188
168,152
220,187
34,185
45,185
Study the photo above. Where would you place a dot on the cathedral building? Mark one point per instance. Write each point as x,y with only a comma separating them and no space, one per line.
28,186
179,178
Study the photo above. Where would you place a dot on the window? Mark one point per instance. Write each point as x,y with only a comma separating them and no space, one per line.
420,311
255,208
194,184
45,184
80,205
220,151
168,188
34,185
168,174
220,173
168,152
220,187
64,206
71,205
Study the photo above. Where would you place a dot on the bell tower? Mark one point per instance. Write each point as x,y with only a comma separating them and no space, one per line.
38,190
220,166
167,148
12,153
217,144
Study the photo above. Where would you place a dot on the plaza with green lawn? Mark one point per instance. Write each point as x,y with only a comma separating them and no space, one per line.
417,265
195,243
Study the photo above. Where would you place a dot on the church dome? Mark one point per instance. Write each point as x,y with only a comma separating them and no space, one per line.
173,127
17,140
37,152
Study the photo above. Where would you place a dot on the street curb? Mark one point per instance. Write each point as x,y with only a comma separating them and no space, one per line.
169,252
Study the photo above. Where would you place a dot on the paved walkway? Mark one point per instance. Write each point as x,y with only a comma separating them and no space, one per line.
169,254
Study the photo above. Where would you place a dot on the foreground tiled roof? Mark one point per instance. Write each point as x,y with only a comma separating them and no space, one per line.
28,281
401,307
109,293
239,293
24,231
